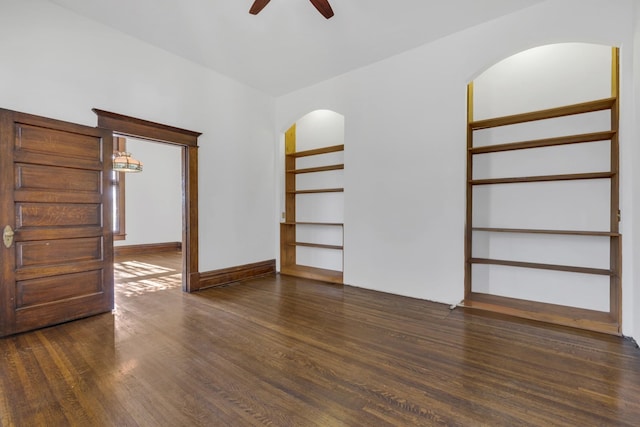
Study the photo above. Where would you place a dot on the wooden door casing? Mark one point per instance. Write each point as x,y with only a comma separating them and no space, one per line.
188,141
55,194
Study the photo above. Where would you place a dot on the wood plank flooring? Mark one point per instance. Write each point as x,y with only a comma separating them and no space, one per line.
283,351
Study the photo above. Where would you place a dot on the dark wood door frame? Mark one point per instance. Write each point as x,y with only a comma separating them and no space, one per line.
188,141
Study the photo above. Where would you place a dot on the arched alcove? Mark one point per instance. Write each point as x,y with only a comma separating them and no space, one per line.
543,77
312,227
542,237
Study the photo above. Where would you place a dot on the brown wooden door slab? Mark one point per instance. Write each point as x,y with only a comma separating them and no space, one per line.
55,195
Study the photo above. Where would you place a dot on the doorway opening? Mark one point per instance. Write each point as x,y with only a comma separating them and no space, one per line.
187,141
147,219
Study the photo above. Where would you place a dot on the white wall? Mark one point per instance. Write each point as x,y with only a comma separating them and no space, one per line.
320,128
543,77
405,151
153,198
57,64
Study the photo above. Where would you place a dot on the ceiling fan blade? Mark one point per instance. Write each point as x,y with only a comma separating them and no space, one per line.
323,7
257,6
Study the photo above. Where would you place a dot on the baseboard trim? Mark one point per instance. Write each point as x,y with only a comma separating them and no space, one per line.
225,276
146,248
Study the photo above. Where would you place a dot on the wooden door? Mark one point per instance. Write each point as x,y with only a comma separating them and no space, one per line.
55,197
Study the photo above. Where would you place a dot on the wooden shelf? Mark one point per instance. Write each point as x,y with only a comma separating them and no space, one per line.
543,178
537,231
568,110
317,169
322,274
288,229
547,142
336,224
551,313
539,266
323,150
608,321
320,190
316,245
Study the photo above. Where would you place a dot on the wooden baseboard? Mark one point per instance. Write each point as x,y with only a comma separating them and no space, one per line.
147,248
314,273
233,274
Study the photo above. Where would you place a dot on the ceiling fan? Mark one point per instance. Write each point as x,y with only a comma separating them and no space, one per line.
323,7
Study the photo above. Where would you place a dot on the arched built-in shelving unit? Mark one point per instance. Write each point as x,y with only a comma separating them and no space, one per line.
322,234
608,320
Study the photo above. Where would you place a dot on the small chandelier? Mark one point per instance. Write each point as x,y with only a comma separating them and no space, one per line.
123,162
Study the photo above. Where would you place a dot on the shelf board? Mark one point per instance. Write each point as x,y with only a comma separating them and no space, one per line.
336,224
323,150
331,276
537,231
568,110
539,266
316,245
547,142
544,312
320,190
543,178
317,169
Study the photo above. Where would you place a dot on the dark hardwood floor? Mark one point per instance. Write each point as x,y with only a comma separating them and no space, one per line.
288,352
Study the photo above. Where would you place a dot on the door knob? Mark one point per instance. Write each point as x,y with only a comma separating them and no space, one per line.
7,236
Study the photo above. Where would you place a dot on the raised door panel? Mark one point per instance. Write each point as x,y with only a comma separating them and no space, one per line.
30,177
29,215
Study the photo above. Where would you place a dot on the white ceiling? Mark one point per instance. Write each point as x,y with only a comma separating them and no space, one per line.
289,45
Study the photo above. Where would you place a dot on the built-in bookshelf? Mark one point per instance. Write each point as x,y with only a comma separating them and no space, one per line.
601,321
289,242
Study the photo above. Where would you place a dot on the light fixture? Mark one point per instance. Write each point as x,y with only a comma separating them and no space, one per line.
123,162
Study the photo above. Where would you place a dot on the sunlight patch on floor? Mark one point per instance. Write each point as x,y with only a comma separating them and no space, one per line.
139,287
128,269
134,278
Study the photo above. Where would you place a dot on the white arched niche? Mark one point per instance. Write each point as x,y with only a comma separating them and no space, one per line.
537,79
318,129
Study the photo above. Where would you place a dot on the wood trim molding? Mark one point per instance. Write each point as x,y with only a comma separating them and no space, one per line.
120,183
615,246
188,141
131,126
234,274
149,248
468,223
